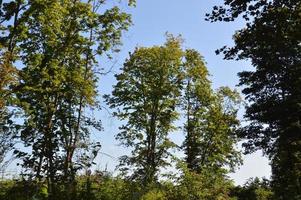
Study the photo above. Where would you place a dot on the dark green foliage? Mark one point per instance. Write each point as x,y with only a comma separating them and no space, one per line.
210,135
8,131
271,41
103,186
253,189
97,186
207,185
22,190
196,99
111,188
210,119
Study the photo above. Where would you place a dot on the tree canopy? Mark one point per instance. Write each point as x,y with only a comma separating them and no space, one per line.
54,48
146,95
271,41
51,60
211,122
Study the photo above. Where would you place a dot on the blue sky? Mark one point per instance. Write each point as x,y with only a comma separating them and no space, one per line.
152,19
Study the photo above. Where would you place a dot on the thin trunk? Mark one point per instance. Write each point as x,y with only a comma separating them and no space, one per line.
74,139
190,158
38,174
80,110
206,149
50,152
151,155
11,44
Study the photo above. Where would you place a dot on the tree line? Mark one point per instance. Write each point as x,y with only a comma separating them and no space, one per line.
51,54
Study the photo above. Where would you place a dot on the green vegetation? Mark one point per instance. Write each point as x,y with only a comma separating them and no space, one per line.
254,189
210,117
271,41
146,94
49,64
102,186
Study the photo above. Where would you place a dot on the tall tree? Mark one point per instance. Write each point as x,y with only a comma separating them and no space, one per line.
196,98
9,26
58,44
146,95
210,119
271,41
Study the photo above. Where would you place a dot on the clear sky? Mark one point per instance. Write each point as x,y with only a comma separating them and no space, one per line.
152,19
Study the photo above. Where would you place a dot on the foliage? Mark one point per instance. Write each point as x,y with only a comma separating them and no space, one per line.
154,194
153,83
146,95
111,188
8,72
199,186
271,41
57,45
103,186
8,130
23,190
8,78
49,58
210,119
253,189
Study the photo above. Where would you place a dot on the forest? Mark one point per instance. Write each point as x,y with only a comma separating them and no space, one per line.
51,71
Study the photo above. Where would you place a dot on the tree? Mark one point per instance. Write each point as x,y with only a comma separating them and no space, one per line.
196,98
210,119
253,189
146,95
8,131
271,41
58,43
200,186
9,19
